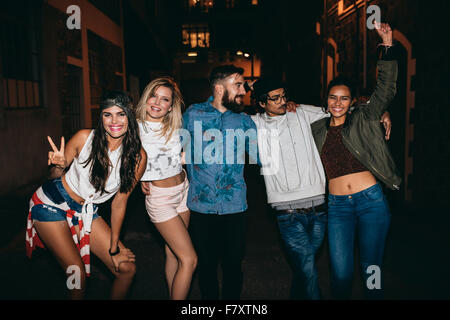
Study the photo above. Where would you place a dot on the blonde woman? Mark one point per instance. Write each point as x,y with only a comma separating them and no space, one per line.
164,182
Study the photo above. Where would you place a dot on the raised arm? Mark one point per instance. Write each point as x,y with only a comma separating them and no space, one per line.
386,88
60,158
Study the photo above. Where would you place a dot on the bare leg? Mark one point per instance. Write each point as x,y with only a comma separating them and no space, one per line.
181,259
58,239
100,242
171,265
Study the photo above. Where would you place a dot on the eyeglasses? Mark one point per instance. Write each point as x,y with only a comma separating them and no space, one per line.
277,99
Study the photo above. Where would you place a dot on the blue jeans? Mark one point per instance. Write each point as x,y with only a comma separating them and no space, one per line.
57,197
303,235
368,213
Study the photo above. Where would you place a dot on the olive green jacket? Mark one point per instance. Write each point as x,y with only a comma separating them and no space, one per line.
362,134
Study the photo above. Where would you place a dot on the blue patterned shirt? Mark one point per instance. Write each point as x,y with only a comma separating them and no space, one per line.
215,144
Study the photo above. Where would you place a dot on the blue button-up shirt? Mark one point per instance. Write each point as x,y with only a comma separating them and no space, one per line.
215,144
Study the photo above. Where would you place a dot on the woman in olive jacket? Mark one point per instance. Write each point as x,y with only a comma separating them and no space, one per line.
354,154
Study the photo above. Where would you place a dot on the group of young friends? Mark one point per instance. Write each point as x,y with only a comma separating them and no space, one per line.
201,211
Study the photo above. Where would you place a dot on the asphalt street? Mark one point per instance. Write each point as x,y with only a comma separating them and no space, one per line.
417,256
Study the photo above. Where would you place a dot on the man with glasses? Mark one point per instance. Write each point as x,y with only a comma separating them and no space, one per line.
294,178
296,189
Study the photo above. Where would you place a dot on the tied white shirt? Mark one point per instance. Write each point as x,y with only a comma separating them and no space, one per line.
78,176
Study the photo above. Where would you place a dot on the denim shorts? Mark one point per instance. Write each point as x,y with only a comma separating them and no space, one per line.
55,203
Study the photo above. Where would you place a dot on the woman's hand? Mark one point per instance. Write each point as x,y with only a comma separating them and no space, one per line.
385,33
125,255
291,106
57,157
145,187
387,124
250,84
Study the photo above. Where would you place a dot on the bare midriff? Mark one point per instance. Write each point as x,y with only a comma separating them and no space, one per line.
72,194
351,183
171,181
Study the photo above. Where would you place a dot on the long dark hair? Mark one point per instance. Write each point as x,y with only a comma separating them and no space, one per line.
340,81
131,146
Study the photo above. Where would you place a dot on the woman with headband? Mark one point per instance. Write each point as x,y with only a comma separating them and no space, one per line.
93,167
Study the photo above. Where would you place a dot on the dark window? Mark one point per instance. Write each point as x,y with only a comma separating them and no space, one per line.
230,4
109,7
74,96
20,74
105,66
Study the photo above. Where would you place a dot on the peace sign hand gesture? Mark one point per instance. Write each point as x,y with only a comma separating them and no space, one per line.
57,157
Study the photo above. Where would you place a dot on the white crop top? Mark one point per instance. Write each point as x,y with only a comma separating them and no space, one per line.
163,159
77,177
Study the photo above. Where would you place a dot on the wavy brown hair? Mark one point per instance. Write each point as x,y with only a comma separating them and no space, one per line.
131,146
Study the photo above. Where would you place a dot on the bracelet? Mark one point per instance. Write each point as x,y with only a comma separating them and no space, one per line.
112,254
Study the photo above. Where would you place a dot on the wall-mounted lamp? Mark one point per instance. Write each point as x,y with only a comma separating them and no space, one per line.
192,54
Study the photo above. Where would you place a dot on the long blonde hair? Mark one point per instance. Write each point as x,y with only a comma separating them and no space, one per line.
173,119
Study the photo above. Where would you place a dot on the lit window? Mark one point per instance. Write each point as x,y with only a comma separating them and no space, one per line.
254,2
195,35
202,5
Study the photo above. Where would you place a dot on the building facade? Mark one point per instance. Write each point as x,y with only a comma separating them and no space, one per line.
212,33
57,57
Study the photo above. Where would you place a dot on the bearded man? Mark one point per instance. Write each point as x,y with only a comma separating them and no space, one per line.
217,195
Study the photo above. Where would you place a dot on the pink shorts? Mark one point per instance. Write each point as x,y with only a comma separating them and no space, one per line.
166,203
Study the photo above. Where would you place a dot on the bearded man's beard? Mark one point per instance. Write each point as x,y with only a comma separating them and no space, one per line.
232,105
